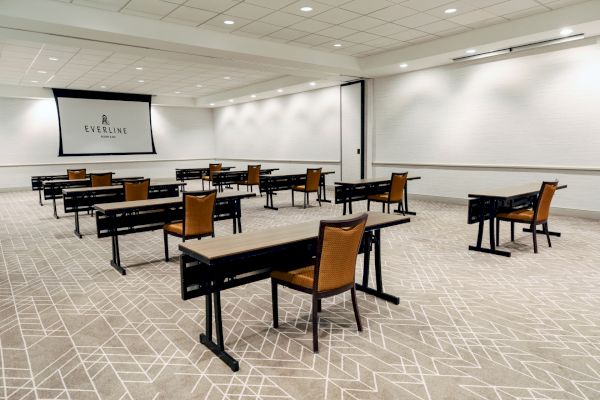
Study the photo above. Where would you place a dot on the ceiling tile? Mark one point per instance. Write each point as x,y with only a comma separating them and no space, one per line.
112,5
212,5
366,7
310,25
259,28
363,23
439,26
417,20
337,32
153,7
387,29
336,16
282,19
190,15
248,11
424,5
287,34
393,13
361,37
511,6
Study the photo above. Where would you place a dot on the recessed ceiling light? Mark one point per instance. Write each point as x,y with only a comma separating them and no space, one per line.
279,90
42,72
212,104
141,81
231,100
306,9
178,92
139,68
450,10
34,81
198,85
471,51
312,83
229,22
566,31
403,65
52,58
102,87
337,45
253,95
227,77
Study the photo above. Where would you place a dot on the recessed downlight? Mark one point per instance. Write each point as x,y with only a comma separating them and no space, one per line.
471,51
404,65
52,58
227,77
212,104
35,82
566,31
231,100
139,68
178,92
229,22
312,83
306,9
279,90
198,85
141,81
253,96
42,72
102,87
450,10
337,45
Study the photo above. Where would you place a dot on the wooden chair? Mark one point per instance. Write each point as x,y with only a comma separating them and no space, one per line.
333,272
76,173
101,179
312,185
538,215
198,220
136,190
252,179
395,195
212,168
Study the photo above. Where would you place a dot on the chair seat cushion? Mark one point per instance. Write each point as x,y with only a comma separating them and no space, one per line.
298,188
379,197
301,277
517,215
206,178
242,182
176,228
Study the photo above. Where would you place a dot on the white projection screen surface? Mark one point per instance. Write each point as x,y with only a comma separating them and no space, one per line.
101,123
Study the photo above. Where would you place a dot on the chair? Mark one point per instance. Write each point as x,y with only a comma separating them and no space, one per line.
333,273
538,215
101,179
252,179
395,195
136,190
212,168
313,181
76,173
198,220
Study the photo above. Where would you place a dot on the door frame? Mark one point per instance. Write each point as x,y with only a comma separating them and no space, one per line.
362,127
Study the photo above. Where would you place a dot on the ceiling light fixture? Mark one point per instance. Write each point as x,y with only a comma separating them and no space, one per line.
279,90
198,85
178,92
139,68
227,77
231,100
471,51
450,10
35,82
141,81
52,58
566,31
306,9
337,45
253,96
102,87
403,65
312,83
42,72
229,22
212,104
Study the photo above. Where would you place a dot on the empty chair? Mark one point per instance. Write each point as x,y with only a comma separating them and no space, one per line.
76,173
538,215
252,179
101,179
136,190
313,180
198,220
333,272
212,168
395,195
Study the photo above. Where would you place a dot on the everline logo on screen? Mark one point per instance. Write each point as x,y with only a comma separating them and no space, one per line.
105,128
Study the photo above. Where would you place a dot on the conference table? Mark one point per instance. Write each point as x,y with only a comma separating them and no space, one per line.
53,188
188,174
221,179
127,217
211,266
84,198
484,205
346,192
37,182
269,184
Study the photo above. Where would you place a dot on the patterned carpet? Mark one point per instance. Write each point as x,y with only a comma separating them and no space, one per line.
469,325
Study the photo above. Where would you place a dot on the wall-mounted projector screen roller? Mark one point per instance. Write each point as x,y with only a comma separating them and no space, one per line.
102,123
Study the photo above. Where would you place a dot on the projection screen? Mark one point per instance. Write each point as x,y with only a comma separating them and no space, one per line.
103,123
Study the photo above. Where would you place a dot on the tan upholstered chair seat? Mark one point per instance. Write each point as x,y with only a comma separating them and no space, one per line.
242,182
176,228
301,188
206,178
379,197
303,277
518,215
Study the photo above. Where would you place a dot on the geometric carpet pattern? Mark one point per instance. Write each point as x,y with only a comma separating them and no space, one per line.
469,325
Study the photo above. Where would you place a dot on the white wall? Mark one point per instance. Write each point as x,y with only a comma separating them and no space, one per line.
525,116
287,132
30,138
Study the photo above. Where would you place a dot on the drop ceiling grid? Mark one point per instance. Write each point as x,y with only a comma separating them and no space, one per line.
362,27
28,64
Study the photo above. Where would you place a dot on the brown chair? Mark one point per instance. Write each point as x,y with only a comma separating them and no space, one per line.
252,179
395,195
101,179
76,173
333,272
198,220
136,190
212,168
538,215
312,185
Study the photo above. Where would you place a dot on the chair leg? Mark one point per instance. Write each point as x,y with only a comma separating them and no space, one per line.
497,232
512,231
368,205
305,198
275,304
319,306
238,188
388,204
547,234
383,207
355,306
166,246
292,198
534,234
315,326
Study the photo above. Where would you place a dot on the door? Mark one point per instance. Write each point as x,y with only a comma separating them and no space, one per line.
352,130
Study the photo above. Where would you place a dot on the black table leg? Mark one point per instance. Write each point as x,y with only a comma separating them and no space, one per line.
492,249
270,197
40,196
406,210
54,203
238,206
76,231
551,233
116,260
323,194
375,237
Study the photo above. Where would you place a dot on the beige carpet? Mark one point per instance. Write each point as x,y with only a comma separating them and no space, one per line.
469,325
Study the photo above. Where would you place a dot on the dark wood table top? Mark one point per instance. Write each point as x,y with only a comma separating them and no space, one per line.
202,169
123,206
368,181
511,192
282,175
117,186
211,250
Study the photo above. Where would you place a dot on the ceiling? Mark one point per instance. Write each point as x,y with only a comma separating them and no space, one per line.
182,51
361,27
